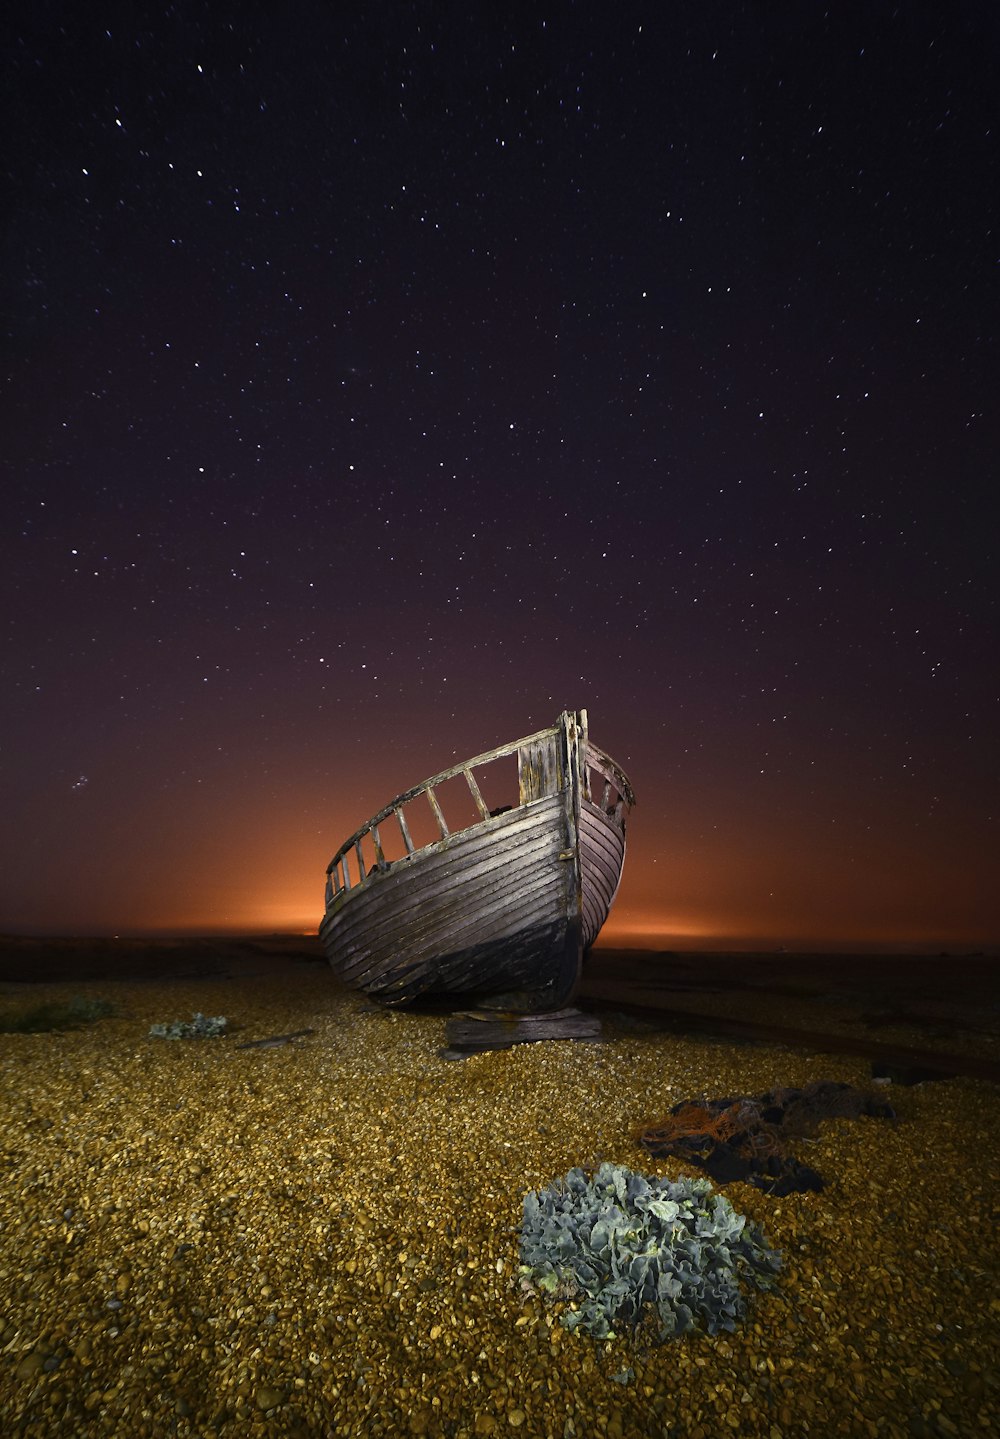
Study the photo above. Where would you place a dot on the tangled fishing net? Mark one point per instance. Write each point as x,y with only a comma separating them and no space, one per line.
747,1137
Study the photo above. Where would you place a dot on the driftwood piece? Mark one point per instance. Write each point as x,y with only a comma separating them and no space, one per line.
275,1040
474,1031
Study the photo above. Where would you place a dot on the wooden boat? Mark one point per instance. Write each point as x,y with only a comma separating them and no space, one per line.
498,903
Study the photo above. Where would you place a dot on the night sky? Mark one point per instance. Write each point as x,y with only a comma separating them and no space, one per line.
380,380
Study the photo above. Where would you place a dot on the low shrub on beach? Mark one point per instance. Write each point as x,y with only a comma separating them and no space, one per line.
619,1246
200,1027
57,1014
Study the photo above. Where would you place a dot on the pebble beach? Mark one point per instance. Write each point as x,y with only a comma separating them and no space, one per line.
321,1237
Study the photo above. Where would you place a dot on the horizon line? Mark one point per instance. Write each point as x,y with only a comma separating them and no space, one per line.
642,942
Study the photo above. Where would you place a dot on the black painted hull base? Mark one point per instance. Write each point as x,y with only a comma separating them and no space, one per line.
531,971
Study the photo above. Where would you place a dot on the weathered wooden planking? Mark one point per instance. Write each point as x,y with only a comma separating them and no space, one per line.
475,895
473,1033
465,768
507,904
538,769
602,855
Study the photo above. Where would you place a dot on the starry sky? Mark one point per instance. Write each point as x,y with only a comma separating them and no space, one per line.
380,380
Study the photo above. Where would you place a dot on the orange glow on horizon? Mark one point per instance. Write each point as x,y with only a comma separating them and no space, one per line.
639,928
214,872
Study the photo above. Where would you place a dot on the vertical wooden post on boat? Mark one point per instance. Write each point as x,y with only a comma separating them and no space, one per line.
445,831
404,830
377,839
362,874
475,792
570,756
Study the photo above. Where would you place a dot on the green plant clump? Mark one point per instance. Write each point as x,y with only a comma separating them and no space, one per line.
201,1027
57,1014
620,1247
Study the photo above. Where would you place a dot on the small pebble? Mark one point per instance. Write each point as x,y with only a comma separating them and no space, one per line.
29,1366
266,1397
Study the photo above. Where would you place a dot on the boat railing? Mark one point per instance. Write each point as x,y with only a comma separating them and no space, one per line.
615,795
339,870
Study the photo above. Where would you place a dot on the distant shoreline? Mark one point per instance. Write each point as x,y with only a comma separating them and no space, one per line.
62,958
632,944
37,959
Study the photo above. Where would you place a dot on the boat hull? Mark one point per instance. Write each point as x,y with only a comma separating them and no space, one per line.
502,910
488,908
602,857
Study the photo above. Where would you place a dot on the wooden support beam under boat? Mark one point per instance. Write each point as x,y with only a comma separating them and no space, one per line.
475,1031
